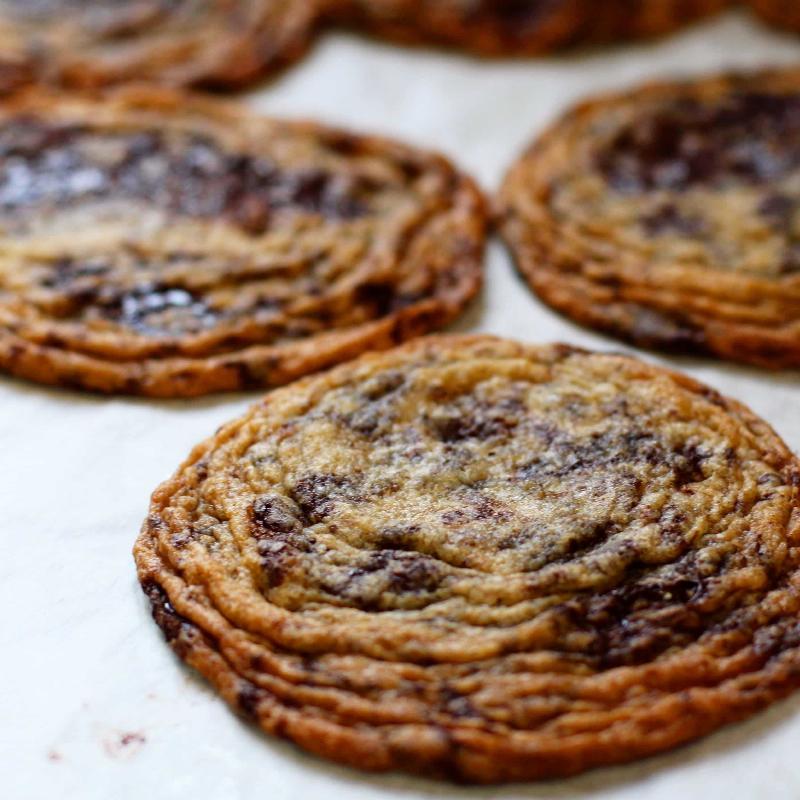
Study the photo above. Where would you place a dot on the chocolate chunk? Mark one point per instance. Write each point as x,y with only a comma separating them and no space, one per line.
746,138
398,537
687,464
379,297
778,208
275,514
280,537
476,420
156,309
386,578
171,623
668,219
249,698
317,495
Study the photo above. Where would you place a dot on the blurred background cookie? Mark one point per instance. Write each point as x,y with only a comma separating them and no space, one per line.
154,242
208,43
670,216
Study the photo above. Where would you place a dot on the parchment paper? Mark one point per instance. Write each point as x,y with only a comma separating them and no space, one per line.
92,703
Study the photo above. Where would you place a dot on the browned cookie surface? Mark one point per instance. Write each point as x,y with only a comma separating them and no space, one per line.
157,243
508,27
518,27
476,559
214,43
781,13
670,216
610,20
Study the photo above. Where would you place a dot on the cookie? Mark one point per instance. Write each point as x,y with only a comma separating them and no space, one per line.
517,27
210,43
475,559
670,216
158,243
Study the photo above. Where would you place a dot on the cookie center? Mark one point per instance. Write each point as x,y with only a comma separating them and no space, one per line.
150,230
396,492
711,183
45,169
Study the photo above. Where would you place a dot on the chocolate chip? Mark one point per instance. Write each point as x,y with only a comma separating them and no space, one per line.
248,699
378,297
273,514
668,219
171,623
687,464
398,537
777,207
475,420
317,495
413,575
456,703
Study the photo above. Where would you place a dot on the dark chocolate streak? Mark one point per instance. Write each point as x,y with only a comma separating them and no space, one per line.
171,623
43,167
512,15
148,306
749,138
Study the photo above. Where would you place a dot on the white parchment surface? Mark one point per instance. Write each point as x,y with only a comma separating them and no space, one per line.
92,703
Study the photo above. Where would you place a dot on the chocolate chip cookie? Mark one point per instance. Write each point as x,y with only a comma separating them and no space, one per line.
518,27
157,243
211,43
486,561
670,216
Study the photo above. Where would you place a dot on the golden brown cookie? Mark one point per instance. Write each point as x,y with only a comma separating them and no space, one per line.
158,243
670,216
209,43
499,28
486,561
